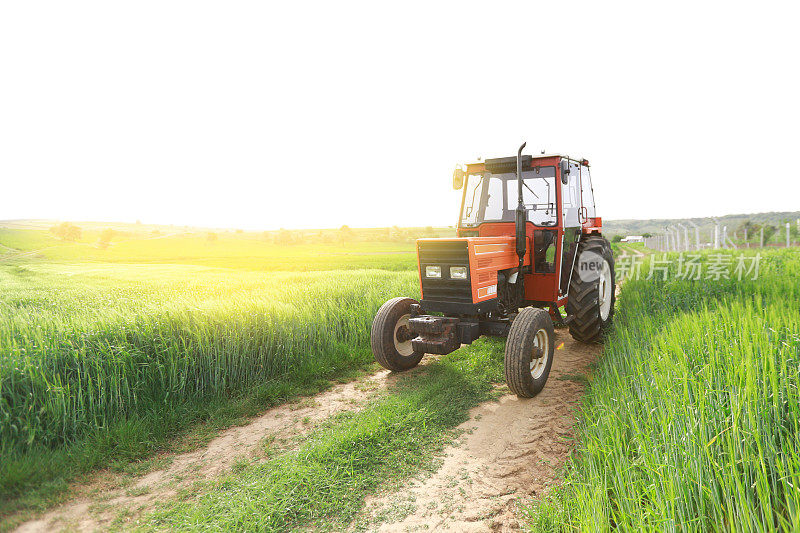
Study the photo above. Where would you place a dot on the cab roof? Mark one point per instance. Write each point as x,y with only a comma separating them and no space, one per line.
509,164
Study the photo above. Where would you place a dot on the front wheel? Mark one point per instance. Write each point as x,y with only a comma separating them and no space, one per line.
391,338
529,352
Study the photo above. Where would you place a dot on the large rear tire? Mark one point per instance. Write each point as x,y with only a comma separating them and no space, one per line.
591,291
391,339
529,352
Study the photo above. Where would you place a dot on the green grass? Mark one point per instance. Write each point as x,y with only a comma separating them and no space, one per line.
323,484
692,419
102,363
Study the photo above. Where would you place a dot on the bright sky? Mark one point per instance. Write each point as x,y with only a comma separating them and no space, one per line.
299,114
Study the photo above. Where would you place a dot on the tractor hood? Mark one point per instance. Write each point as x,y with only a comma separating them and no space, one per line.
445,285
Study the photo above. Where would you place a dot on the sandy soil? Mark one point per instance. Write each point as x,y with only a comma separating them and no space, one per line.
510,451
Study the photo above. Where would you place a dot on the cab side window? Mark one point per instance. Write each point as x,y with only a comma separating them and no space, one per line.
587,194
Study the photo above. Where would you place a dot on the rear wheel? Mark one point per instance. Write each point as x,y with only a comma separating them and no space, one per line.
529,352
391,338
591,291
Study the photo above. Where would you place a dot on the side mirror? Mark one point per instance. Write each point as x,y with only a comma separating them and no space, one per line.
564,171
458,178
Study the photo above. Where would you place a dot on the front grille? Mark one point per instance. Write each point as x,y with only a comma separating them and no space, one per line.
444,254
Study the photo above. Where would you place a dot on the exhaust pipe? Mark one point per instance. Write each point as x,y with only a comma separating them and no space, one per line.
522,216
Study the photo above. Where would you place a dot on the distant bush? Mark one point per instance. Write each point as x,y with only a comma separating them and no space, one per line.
211,236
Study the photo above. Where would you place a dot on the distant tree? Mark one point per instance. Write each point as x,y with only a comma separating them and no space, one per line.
386,234
750,228
155,232
239,231
284,237
105,238
428,231
769,231
397,233
267,236
318,237
647,235
748,225
66,231
211,236
616,238
345,234
138,222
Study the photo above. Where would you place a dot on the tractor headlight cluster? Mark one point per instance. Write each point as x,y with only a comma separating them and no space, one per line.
433,272
458,272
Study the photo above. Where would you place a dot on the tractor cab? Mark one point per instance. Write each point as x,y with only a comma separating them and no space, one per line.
528,243
558,199
559,207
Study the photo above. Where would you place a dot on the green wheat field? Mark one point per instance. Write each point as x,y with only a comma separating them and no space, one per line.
107,356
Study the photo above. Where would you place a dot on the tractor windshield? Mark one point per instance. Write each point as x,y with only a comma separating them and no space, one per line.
493,197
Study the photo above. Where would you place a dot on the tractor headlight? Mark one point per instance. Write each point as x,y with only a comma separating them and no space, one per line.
433,272
458,272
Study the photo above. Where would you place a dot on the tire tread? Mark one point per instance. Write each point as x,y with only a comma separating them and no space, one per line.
583,302
519,346
381,338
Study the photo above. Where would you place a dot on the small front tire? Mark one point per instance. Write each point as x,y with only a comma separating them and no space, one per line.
529,352
391,338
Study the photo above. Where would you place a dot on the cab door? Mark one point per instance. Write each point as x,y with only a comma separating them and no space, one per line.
570,174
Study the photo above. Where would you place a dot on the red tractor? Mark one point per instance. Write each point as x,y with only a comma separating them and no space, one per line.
529,242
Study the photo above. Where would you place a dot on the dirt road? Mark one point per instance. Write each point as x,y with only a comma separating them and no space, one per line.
110,500
510,450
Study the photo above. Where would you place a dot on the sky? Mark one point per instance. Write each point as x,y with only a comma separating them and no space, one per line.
260,115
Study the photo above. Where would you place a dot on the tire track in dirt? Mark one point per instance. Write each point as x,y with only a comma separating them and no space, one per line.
102,502
511,450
